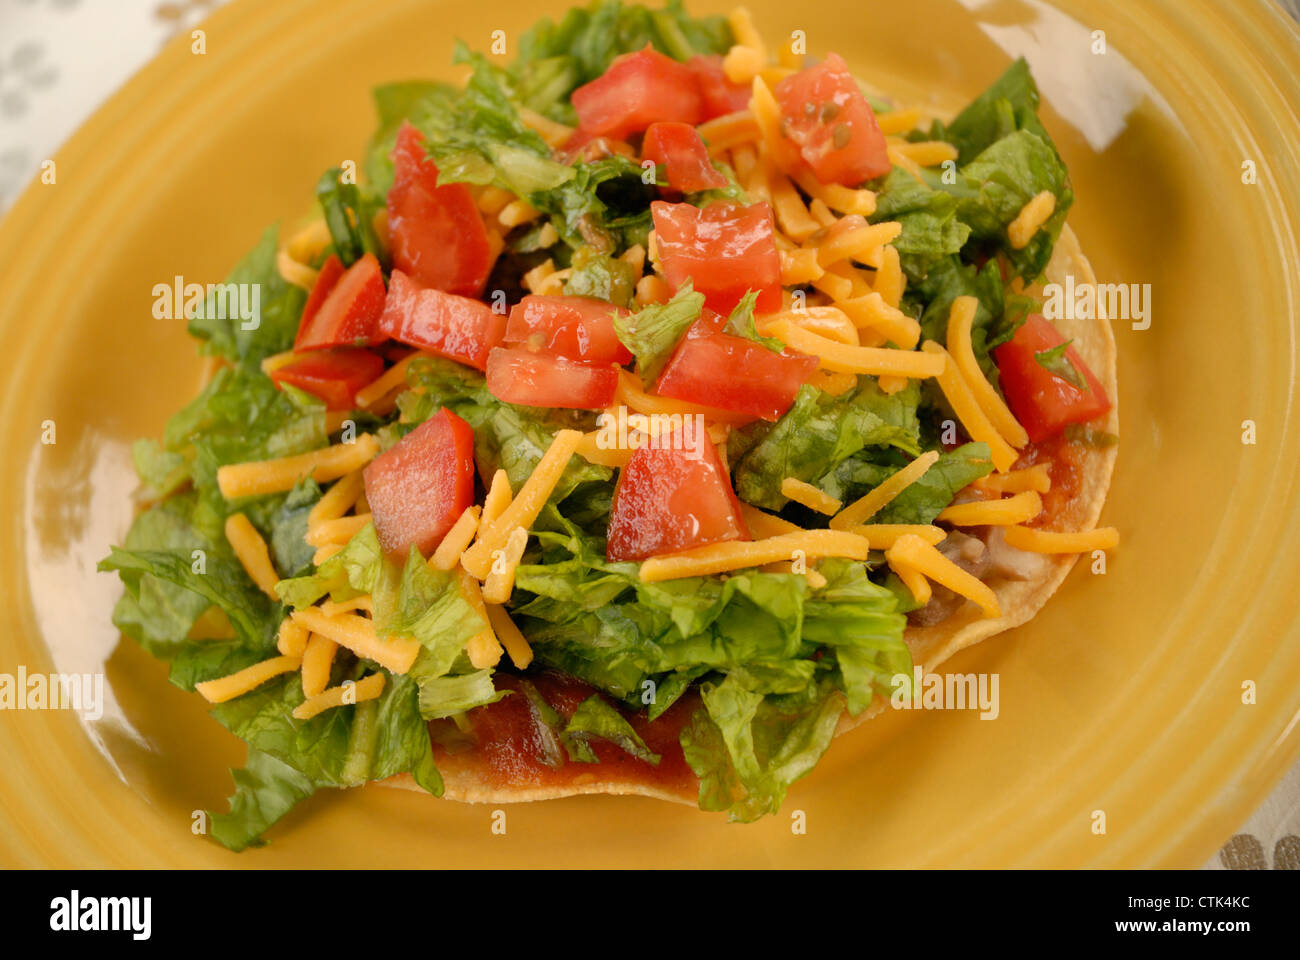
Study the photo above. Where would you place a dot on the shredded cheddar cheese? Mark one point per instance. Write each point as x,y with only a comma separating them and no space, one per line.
516,213
877,361
317,660
994,513
1037,477
765,525
589,449
298,274
849,202
252,553
309,242
792,488
915,554
498,498
972,417
873,312
961,317
882,536
729,131
239,683
500,581
551,131
1030,219
338,530
395,654
1050,541
925,153
483,649
737,555
291,639
337,500
391,379
457,539
521,654
890,281
914,581
526,505
332,608
868,506
276,476
863,242
348,692
324,553
897,121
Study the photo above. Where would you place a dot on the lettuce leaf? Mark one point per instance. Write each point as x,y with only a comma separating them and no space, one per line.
265,790
1009,104
594,718
923,500
348,217
653,331
605,204
748,748
556,58
280,306
817,434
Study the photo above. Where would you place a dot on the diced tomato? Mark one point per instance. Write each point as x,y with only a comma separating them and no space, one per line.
443,323
333,375
1044,403
580,328
638,89
717,369
518,375
349,313
724,248
419,487
719,94
825,114
435,232
328,276
671,497
685,158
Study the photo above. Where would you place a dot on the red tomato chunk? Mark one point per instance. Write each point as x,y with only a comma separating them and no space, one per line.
684,157
826,116
333,375
451,326
1043,402
579,328
716,369
520,376
725,249
435,232
420,487
719,95
346,313
673,498
637,89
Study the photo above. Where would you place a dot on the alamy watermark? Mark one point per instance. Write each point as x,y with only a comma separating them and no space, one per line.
1098,301
621,430
946,691
82,692
179,300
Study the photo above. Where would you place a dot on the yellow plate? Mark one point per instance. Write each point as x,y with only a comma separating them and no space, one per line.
1124,696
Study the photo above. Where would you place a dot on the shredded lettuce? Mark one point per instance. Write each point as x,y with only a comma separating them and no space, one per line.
279,304
594,718
653,331
817,434
557,58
